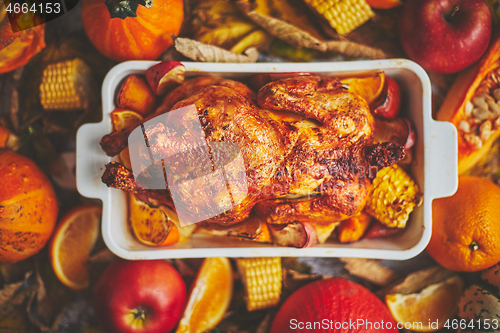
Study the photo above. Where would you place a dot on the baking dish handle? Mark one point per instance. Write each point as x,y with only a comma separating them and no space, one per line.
443,151
89,163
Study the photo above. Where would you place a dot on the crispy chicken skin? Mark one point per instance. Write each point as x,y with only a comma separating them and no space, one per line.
115,142
195,85
324,159
330,160
344,115
230,117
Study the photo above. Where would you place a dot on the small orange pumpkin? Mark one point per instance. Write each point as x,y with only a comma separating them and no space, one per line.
132,29
28,208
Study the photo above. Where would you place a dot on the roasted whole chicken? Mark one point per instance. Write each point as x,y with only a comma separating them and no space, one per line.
304,145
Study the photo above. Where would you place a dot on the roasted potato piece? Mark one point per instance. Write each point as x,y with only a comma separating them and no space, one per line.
135,94
353,229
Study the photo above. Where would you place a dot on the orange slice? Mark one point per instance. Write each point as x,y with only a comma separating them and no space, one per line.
74,238
121,118
437,302
252,228
209,298
368,87
185,231
150,225
384,4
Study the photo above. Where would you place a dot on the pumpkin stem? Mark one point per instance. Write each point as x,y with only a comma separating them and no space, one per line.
126,8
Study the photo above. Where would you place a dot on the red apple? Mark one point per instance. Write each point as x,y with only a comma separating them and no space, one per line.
389,108
445,36
397,130
139,297
165,75
412,136
378,230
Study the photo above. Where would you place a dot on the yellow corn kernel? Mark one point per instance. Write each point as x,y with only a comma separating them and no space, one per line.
262,280
65,85
393,196
343,15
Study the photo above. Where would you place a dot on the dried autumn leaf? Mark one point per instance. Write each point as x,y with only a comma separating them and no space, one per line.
370,270
10,273
380,32
184,268
46,306
6,295
103,256
283,30
293,280
209,14
16,321
258,38
197,51
265,324
416,281
356,50
300,38
221,23
15,294
226,36
295,265
294,12
14,108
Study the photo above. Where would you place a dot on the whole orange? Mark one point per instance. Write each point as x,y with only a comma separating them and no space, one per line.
28,207
466,226
123,30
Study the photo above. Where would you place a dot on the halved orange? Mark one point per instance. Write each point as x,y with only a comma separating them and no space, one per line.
151,226
73,240
368,87
209,298
384,4
121,118
437,302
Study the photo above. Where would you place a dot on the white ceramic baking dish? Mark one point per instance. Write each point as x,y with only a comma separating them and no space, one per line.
435,167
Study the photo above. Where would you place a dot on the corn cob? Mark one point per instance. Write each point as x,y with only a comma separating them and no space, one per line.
262,280
65,85
393,196
343,15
